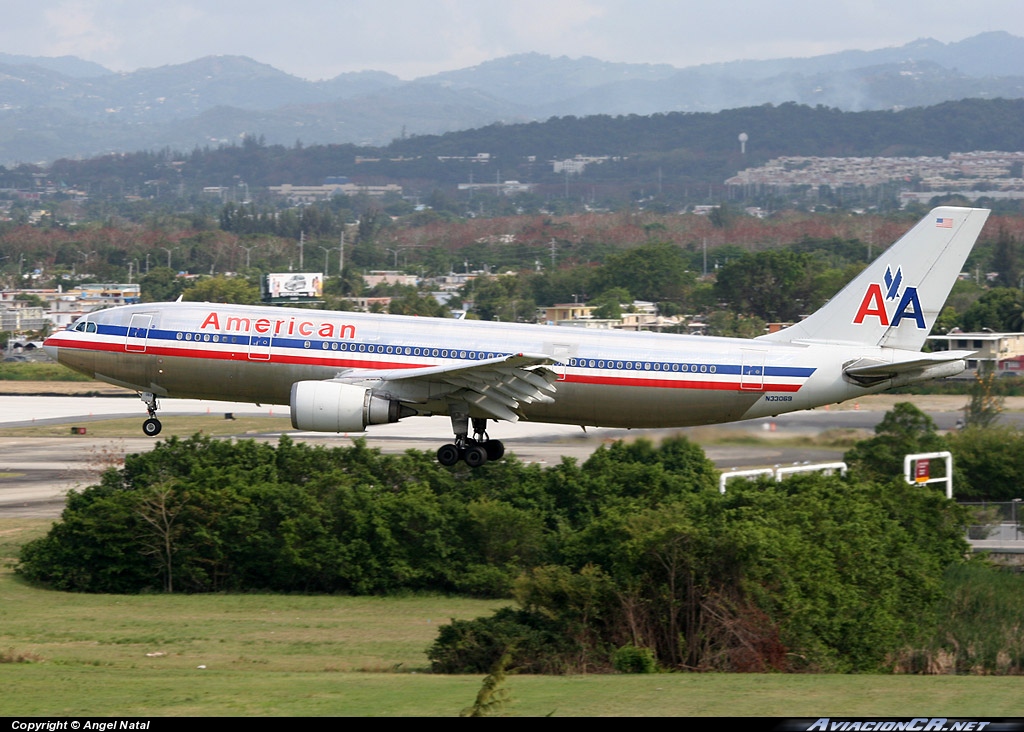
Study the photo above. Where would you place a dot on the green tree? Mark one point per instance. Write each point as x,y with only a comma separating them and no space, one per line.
412,302
776,285
30,300
161,284
947,320
988,463
985,405
999,309
815,573
506,298
654,272
234,290
609,303
733,325
903,430
1006,259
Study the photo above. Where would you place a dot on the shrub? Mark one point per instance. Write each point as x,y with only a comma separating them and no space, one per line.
633,660
534,644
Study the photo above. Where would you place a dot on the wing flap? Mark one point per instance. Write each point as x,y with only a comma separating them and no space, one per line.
496,409
498,387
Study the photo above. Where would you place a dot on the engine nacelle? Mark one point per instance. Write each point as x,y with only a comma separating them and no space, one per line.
329,406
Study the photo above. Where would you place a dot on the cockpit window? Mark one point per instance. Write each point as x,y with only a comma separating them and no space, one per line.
85,326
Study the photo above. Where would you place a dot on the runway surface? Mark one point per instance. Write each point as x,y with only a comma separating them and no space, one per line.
37,472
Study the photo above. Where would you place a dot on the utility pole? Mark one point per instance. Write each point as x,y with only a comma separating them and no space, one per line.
341,252
302,244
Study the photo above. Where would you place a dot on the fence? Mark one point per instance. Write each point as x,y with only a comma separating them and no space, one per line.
996,520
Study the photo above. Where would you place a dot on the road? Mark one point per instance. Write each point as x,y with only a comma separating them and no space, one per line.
37,472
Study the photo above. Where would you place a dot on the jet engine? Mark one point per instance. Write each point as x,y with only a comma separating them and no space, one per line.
330,406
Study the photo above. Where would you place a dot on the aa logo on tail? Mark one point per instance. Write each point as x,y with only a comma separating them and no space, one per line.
877,304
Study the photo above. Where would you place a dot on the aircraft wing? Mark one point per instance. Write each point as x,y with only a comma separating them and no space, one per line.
920,366
495,386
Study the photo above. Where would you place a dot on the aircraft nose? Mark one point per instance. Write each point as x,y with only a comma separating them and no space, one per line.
51,348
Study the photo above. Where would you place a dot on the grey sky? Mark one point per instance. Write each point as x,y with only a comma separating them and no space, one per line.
321,38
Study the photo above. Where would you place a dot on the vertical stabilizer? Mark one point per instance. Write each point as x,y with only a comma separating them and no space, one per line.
894,302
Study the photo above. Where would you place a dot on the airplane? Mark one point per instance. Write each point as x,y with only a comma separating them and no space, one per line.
344,371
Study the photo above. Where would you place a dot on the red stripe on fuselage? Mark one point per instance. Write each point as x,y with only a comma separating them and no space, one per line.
360,363
236,355
676,383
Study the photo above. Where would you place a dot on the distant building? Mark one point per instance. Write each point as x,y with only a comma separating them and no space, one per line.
455,280
648,321
925,197
478,158
17,319
370,304
576,165
311,194
1004,350
108,294
63,307
389,277
972,175
508,188
565,311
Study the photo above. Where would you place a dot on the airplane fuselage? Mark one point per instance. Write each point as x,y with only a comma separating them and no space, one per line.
341,372
604,378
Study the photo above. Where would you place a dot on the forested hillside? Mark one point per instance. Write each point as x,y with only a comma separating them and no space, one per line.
664,153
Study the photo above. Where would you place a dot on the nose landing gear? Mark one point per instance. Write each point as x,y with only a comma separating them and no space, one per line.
151,427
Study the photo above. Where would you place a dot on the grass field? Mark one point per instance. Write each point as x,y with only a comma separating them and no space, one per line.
180,426
38,371
242,426
159,655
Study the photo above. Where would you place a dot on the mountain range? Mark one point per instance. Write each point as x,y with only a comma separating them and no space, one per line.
68,107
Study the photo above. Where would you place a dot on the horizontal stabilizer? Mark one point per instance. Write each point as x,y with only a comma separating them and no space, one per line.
920,367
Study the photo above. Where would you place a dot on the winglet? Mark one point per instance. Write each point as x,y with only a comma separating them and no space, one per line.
894,302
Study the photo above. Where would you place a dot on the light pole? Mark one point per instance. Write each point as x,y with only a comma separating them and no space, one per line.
85,259
327,252
248,251
169,251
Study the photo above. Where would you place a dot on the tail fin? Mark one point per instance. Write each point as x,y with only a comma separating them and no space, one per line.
894,302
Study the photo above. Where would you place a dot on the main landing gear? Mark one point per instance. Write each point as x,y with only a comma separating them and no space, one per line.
151,427
475,450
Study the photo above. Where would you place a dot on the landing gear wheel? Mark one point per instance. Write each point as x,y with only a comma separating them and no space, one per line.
495,449
475,456
448,455
151,427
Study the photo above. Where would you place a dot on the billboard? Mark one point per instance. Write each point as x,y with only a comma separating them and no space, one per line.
293,286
